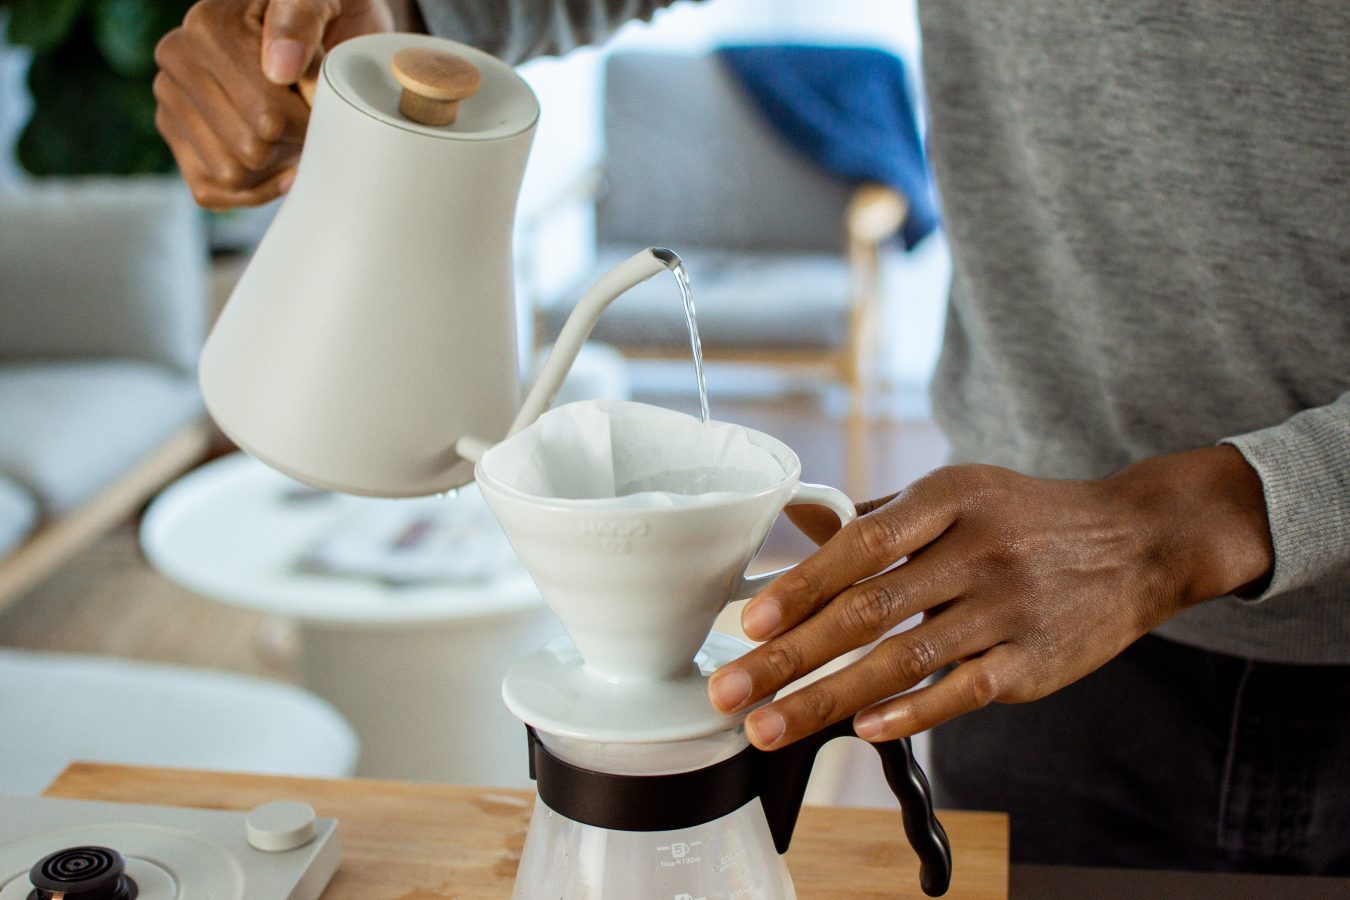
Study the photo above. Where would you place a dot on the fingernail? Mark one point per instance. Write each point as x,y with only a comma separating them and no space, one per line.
867,726
761,619
765,728
730,690
285,61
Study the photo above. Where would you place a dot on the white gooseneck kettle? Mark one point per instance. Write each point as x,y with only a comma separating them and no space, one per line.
370,345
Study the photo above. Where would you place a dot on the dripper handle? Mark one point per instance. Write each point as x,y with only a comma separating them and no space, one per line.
804,494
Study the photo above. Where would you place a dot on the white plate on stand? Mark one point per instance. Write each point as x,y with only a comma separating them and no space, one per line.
552,690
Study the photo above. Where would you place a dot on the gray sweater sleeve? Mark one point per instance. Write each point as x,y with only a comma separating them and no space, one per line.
1304,464
518,30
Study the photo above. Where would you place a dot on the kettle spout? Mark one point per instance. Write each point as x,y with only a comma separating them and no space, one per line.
626,275
669,257
471,448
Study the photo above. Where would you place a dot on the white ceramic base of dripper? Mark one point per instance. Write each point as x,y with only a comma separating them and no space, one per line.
553,690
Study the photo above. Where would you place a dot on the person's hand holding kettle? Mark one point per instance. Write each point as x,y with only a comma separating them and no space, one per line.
229,89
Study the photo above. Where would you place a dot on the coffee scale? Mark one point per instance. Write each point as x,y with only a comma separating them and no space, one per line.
370,348
77,850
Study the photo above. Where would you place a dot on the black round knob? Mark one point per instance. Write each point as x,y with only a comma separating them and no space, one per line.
82,873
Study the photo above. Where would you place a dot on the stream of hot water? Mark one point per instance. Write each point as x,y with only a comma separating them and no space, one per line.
695,345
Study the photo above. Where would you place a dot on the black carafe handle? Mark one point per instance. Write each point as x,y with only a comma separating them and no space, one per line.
783,777
925,833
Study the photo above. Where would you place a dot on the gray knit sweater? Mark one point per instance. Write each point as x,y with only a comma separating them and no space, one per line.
1149,211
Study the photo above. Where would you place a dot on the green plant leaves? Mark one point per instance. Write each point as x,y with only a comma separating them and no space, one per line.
87,119
41,24
93,64
126,31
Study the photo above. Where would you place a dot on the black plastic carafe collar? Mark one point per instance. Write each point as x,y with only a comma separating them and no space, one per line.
778,778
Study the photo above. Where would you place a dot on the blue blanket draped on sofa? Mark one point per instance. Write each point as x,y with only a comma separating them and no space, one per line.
848,110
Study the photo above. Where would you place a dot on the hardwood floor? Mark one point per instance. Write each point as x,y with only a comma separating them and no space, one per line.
110,601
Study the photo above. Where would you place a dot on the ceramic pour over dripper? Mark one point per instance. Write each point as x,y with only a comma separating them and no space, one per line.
637,524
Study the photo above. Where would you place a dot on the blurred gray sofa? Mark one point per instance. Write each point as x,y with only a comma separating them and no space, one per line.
102,307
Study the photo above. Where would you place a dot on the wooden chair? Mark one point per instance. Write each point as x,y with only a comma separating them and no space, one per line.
103,298
783,258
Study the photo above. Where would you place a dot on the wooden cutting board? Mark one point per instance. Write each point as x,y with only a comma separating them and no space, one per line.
405,841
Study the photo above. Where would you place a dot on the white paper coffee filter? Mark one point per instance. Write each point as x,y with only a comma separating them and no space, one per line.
635,454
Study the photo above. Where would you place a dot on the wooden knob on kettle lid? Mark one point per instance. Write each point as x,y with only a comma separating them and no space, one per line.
433,84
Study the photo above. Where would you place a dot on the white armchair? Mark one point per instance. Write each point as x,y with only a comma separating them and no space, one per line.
102,308
62,708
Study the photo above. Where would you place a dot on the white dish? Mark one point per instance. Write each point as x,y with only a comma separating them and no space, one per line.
553,690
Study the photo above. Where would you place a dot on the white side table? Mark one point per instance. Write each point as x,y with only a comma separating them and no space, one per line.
416,669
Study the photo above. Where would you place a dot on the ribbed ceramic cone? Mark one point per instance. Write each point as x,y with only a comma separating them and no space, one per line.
638,587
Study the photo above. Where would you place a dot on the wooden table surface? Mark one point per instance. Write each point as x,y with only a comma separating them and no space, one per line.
405,841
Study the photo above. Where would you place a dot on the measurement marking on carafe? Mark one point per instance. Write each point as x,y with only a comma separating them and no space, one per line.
727,861
681,854
679,849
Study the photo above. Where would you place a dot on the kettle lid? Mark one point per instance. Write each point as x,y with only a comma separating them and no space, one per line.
360,71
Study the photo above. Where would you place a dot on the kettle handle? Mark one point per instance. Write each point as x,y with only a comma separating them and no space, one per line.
784,774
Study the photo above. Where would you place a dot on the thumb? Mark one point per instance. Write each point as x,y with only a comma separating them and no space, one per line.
292,34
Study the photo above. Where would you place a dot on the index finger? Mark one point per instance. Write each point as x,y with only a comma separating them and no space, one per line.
211,55
916,517
820,523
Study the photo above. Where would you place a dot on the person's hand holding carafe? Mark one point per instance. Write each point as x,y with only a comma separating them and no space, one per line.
228,95
1024,584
